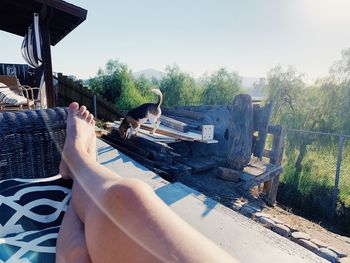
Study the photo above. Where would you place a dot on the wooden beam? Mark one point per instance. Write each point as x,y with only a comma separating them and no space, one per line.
65,7
16,16
174,124
185,113
266,176
47,63
45,18
228,174
240,132
199,164
262,116
276,158
192,124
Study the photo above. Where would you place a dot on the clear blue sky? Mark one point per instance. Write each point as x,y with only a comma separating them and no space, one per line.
248,36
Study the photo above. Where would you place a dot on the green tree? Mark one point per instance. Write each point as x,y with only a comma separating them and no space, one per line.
117,84
179,88
295,106
144,86
220,87
340,71
322,107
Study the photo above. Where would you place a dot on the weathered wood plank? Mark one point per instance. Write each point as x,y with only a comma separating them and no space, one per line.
174,124
262,117
127,145
199,164
240,132
185,113
192,124
267,175
276,158
275,129
267,153
228,174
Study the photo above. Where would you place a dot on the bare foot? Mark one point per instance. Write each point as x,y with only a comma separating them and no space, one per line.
80,135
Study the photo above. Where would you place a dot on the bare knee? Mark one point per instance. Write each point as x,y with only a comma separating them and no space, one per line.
129,188
128,192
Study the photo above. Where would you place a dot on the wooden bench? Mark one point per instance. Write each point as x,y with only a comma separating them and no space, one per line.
252,164
258,171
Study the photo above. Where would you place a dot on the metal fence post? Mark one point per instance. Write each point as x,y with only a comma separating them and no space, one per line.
95,106
337,174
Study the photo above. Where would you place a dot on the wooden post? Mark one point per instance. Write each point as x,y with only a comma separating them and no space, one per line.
337,174
240,132
276,158
262,116
46,52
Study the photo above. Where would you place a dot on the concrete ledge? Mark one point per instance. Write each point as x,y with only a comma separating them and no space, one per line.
240,236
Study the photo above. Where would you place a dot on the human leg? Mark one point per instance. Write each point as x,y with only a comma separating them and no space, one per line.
71,244
72,233
126,211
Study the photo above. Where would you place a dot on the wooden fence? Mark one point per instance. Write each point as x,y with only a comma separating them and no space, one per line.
70,90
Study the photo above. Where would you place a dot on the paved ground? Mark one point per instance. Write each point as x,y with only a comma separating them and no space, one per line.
243,238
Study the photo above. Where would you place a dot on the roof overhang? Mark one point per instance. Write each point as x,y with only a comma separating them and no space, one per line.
62,17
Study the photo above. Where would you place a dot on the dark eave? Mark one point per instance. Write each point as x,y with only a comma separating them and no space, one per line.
17,15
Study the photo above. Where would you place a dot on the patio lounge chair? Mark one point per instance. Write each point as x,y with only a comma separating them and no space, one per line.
14,96
32,198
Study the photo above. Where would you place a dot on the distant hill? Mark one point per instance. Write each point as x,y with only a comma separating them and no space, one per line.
149,74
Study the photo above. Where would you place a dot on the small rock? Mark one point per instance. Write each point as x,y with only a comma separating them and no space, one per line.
328,254
236,206
267,222
319,243
277,221
339,253
308,245
257,215
292,228
281,230
300,235
247,211
344,260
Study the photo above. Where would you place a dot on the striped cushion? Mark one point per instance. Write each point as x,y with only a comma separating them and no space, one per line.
9,96
31,212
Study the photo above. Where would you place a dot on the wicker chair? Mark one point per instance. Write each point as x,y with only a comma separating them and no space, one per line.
31,144
13,84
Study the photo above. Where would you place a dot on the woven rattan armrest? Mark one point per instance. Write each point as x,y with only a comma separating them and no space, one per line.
31,143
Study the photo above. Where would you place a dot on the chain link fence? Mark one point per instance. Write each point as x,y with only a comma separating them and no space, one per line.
316,176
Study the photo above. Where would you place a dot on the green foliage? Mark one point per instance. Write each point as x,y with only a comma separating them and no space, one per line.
310,159
221,87
179,88
284,89
117,84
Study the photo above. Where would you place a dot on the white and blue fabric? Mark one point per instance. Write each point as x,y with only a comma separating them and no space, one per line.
31,212
9,96
31,45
